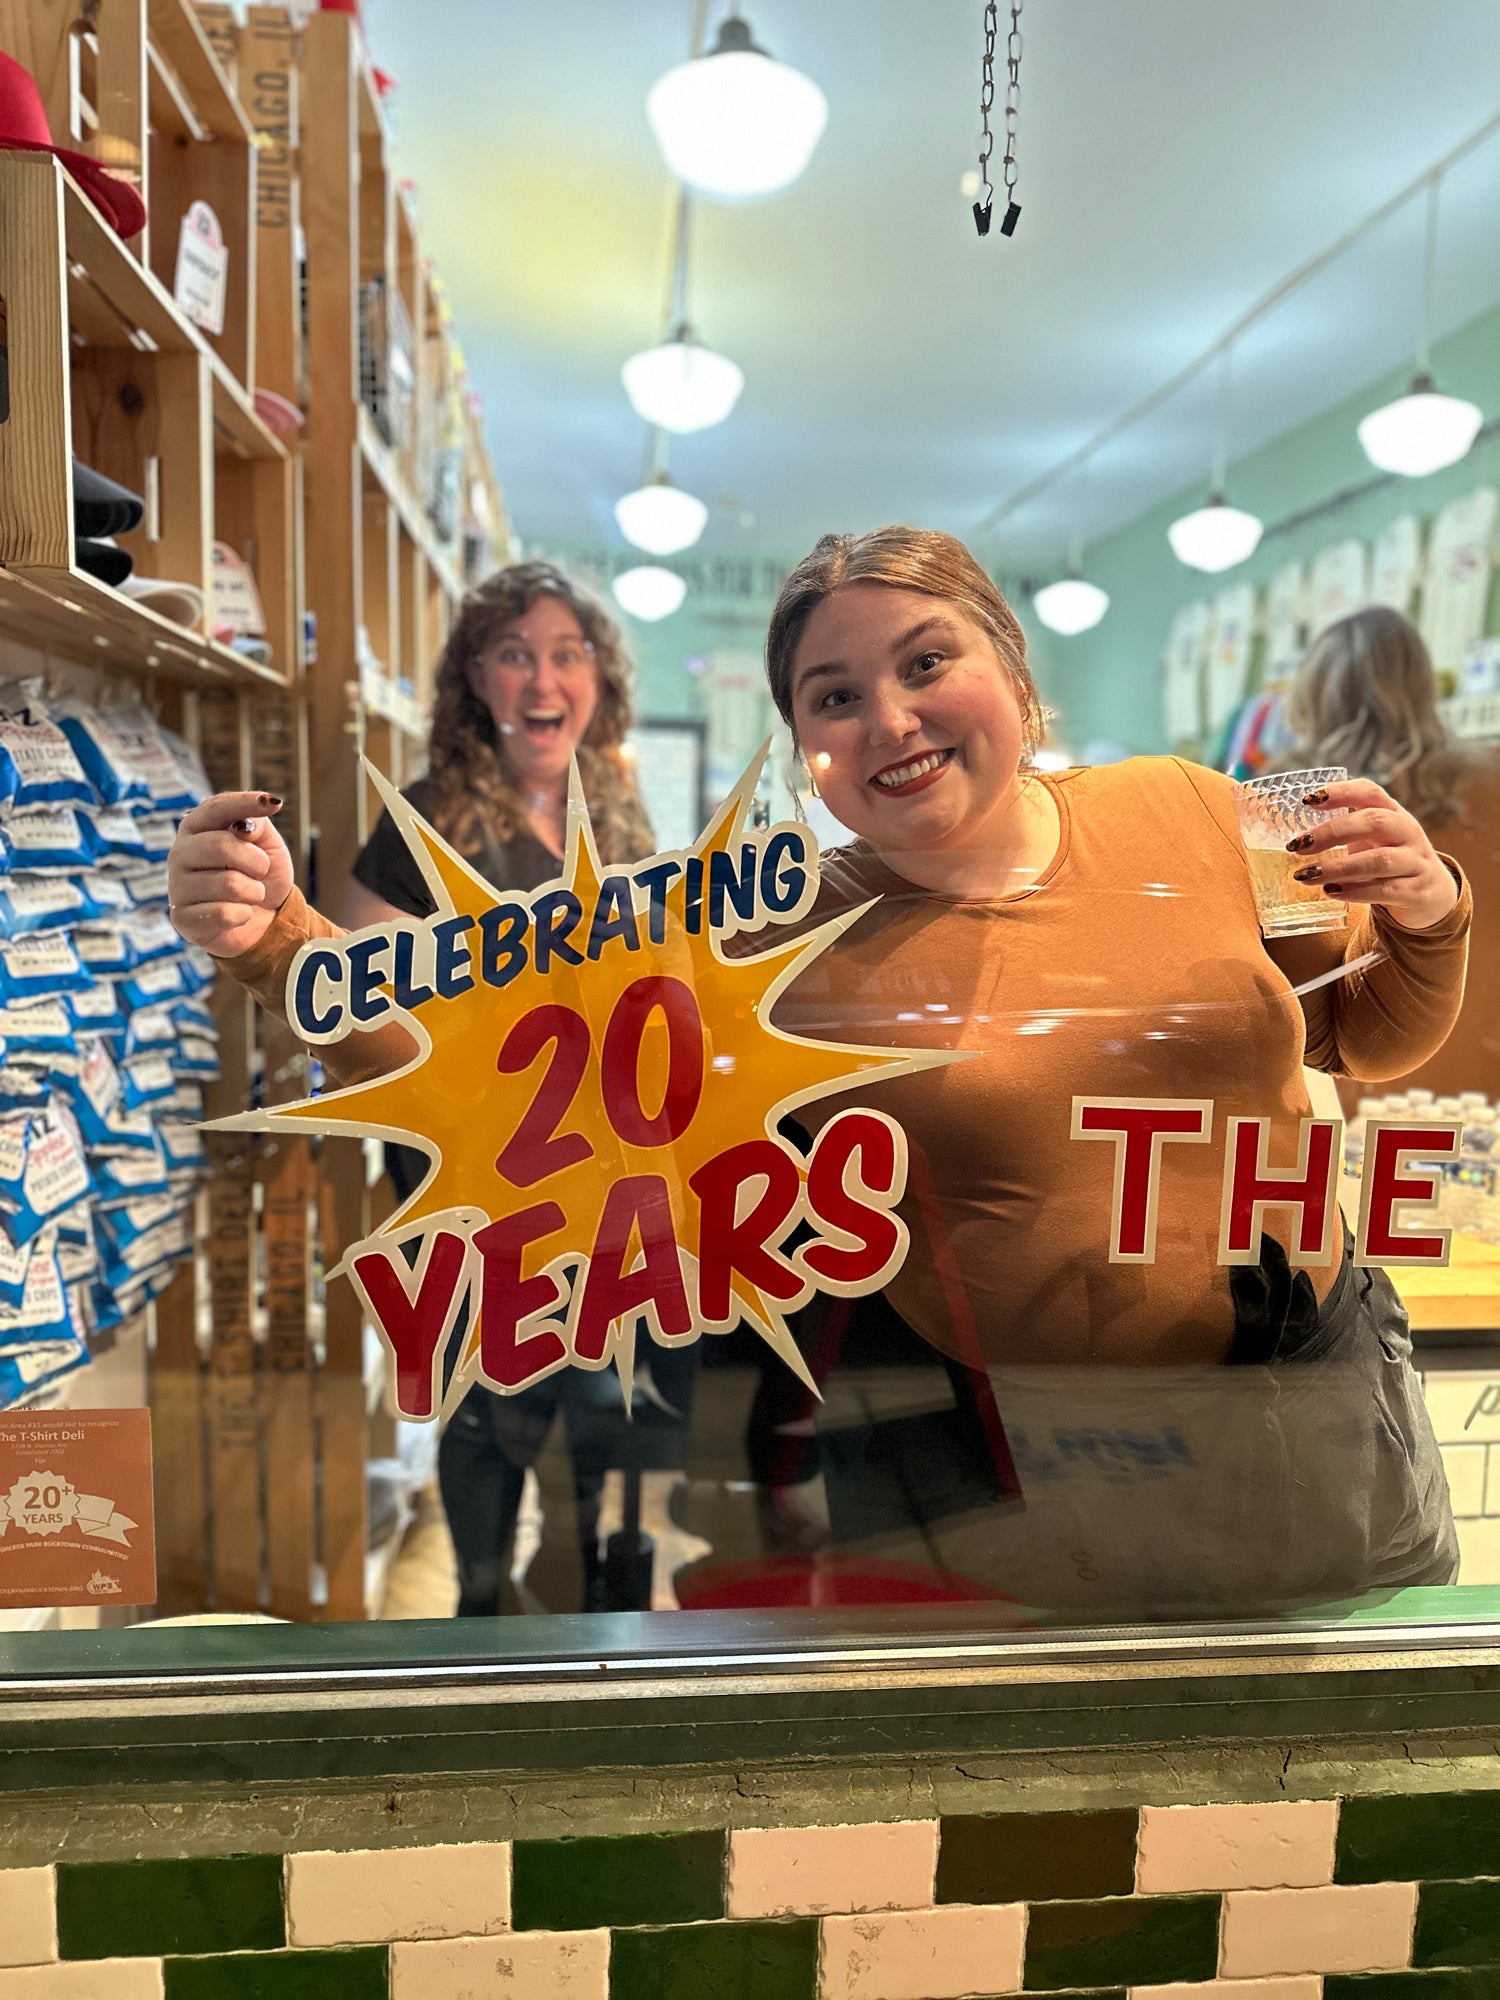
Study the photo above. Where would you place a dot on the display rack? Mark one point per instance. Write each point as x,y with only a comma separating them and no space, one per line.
361,530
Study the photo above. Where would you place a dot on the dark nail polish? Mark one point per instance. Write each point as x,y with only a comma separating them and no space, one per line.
271,802
1332,889
1310,874
1299,844
243,827
1317,798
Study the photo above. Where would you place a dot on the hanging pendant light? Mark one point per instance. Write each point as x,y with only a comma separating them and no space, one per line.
649,593
1070,606
660,518
682,385
1217,536
1422,431
733,124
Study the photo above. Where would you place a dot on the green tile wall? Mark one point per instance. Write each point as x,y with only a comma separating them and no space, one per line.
581,1885
1446,1985
1416,1837
1126,1940
361,1973
1034,1857
1458,1923
151,1909
759,1961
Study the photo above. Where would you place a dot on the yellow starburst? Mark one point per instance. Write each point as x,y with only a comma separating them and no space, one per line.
510,1115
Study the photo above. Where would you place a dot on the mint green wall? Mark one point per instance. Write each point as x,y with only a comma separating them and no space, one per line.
1106,683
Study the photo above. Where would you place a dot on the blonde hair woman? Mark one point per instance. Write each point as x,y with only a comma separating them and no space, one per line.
1365,697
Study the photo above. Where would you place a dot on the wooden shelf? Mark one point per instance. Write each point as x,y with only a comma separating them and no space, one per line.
380,462
75,617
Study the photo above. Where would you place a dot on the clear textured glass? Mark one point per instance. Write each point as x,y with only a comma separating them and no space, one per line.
1272,811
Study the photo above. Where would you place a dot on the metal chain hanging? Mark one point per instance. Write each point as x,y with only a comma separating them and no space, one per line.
983,207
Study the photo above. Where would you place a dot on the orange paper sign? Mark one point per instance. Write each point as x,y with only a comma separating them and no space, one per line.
76,1522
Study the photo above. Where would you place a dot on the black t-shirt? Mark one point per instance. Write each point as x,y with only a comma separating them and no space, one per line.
386,867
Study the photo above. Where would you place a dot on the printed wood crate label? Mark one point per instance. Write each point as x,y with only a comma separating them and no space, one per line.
202,273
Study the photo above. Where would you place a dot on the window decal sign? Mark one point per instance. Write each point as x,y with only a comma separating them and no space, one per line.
76,1522
598,1086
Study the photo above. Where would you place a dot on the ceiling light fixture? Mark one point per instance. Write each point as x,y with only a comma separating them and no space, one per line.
660,518
733,124
682,385
1422,431
649,593
1217,536
1070,606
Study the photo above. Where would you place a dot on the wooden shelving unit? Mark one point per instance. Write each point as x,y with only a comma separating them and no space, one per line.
363,527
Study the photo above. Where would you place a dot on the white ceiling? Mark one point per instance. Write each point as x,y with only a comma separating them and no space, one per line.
1177,158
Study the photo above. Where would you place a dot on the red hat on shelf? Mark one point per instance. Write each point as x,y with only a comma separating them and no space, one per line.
24,129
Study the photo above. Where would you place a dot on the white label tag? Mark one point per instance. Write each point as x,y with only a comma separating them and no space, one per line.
202,268
236,601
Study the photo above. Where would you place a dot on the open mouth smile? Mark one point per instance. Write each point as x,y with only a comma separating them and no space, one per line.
900,780
543,725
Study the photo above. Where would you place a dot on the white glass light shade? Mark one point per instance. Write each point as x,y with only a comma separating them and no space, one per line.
734,124
649,593
660,519
1215,537
1420,432
682,386
1071,605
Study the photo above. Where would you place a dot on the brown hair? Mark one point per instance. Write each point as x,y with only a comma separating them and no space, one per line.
466,756
1365,696
917,559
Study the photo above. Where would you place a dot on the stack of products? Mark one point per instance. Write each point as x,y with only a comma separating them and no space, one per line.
106,1038
1468,1185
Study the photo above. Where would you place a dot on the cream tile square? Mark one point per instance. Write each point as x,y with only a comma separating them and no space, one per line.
924,1954
28,1916
525,1965
1479,1550
85,1979
1465,1467
1362,1927
1283,1844
818,1870
375,1896
1464,1406
1305,1986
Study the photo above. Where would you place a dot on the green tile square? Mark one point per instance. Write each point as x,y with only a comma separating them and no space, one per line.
594,1882
759,1961
155,1909
1124,1940
361,1972
1482,1984
1458,1923
1418,1836
1036,1857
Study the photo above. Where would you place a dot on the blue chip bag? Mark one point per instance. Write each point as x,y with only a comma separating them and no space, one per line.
137,1176
116,837
198,970
194,1017
77,1246
96,1012
43,1312
102,751
183,1149
153,936
40,965
148,885
15,1263
96,1098
147,1079
42,1027
42,1170
165,979
33,1377
106,950
25,1086
150,1028
47,770
51,839
163,760
30,903
186,1102
157,831
195,1055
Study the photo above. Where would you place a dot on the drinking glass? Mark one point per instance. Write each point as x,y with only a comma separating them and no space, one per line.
1271,812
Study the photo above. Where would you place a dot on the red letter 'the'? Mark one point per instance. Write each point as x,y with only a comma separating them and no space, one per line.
1139,1127
1250,1187
1380,1239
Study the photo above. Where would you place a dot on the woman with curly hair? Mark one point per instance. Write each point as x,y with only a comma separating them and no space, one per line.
534,672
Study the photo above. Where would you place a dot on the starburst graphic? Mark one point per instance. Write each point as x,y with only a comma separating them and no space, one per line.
601,1078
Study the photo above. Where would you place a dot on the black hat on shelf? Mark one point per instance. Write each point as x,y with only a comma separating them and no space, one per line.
102,560
100,506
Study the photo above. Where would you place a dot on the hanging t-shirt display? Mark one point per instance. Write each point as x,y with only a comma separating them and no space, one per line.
1186,660
1396,563
1460,554
1340,583
1286,619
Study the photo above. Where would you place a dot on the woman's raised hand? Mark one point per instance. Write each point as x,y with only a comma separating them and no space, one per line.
229,872
1390,861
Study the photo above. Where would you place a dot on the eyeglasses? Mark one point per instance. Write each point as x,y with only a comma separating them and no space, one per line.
569,658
